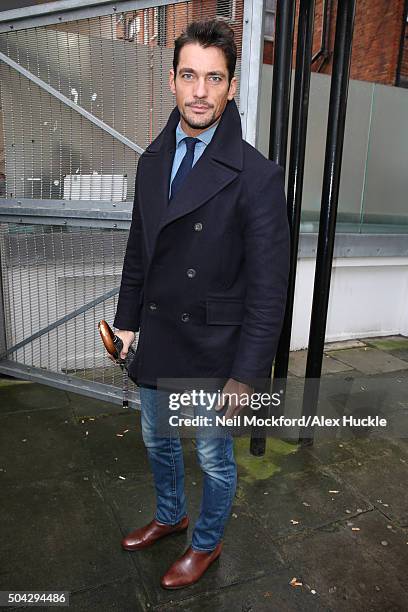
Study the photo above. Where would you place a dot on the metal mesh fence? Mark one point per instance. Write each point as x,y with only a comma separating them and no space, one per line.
115,67
48,273
80,101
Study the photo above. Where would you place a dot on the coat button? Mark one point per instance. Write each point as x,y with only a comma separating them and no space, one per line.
191,273
153,306
198,227
185,317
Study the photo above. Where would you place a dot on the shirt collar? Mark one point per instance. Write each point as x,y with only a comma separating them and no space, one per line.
205,136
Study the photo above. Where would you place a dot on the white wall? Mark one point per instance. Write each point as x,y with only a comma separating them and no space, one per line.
368,297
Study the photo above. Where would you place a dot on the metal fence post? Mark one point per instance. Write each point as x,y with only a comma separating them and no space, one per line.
328,212
282,70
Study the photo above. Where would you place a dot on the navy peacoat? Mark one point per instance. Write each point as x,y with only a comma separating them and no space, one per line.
205,276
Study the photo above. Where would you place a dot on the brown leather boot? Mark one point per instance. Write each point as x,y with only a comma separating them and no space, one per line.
189,568
150,533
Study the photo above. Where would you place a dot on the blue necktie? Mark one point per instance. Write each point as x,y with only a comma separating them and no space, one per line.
185,166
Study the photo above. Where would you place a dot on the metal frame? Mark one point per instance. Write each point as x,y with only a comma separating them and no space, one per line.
106,213
3,337
70,10
77,213
358,245
251,66
69,383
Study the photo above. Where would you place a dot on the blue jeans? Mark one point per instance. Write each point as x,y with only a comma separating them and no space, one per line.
165,454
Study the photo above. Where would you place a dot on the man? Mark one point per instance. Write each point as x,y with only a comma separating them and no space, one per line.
204,280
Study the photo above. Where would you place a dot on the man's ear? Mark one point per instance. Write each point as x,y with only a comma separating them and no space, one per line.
172,84
232,88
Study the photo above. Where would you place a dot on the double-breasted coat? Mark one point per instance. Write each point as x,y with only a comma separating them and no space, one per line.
205,275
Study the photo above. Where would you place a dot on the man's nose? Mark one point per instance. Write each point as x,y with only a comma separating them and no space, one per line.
201,88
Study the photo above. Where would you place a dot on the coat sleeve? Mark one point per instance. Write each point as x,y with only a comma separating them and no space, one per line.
129,304
266,261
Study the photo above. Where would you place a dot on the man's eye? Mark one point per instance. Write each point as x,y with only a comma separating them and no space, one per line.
216,77
186,74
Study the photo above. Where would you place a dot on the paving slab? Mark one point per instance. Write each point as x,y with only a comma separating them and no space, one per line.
400,447
395,345
373,447
289,503
385,542
343,571
272,592
119,596
349,395
343,344
334,391
26,396
385,396
328,452
370,360
342,393
61,535
401,353
40,444
92,407
367,397
115,442
381,481
298,359
333,452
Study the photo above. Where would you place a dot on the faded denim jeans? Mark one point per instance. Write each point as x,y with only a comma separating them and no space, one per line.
165,454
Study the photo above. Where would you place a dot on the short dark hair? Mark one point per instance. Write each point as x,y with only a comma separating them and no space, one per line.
209,33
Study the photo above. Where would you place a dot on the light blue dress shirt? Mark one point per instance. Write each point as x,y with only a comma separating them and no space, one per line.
181,147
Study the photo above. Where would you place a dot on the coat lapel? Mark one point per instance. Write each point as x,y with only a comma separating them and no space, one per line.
219,165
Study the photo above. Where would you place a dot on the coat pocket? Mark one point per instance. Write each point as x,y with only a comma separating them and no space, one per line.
224,311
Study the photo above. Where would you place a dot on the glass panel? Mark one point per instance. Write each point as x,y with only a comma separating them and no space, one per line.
373,193
386,185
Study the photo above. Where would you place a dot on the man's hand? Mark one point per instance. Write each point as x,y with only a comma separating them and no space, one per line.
127,338
239,392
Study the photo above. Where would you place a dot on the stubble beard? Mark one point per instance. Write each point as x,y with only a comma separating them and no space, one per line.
200,123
